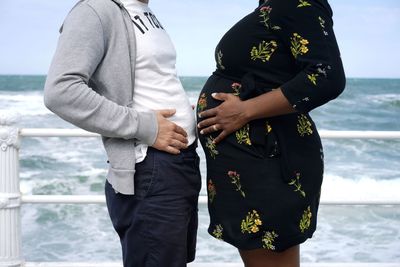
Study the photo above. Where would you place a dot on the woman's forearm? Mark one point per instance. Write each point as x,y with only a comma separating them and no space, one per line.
270,104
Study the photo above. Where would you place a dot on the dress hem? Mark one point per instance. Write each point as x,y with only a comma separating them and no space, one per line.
293,241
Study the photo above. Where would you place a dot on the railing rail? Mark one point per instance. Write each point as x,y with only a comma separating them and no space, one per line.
99,199
11,198
326,134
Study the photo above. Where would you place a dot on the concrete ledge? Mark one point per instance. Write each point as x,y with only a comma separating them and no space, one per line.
116,264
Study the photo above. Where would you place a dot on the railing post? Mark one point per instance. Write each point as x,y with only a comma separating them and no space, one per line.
10,196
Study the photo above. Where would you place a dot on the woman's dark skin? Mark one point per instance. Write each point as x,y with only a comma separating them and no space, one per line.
234,113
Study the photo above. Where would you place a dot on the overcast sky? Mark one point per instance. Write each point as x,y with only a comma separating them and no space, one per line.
368,32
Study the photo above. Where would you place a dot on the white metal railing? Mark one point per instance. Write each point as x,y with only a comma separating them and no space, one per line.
323,133
11,198
99,199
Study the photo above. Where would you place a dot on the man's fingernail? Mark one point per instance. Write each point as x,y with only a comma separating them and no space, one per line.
213,94
198,125
199,115
202,132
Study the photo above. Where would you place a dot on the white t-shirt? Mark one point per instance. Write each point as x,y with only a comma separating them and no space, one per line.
157,85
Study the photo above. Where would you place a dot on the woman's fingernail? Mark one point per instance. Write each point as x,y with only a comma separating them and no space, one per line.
198,125
199,115
202,132
213,94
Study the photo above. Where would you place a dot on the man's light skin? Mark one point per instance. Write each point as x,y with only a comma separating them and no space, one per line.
170,138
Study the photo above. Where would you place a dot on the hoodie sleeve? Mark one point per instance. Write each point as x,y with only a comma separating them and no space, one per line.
81,47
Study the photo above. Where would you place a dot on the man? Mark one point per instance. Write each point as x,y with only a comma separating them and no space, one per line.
114,73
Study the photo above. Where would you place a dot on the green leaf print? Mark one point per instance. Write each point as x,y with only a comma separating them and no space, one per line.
235,177
251,223
264,14
313,78
264,51
303,3
296,183
268,240
243,135
218,231
212,147
304,126
322,23
219,60
305,221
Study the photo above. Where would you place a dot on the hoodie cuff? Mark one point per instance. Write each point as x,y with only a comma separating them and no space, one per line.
147,130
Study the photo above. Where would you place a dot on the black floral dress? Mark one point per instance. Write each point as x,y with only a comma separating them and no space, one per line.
264,180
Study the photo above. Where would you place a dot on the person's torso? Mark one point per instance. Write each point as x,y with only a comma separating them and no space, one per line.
157,85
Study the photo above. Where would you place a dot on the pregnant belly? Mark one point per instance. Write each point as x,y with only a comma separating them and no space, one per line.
215,84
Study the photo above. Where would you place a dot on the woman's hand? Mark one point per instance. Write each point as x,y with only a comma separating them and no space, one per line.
228,117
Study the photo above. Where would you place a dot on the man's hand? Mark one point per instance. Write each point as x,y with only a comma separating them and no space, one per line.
227,117
170,138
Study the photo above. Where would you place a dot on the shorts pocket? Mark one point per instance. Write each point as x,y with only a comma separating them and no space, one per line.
144,176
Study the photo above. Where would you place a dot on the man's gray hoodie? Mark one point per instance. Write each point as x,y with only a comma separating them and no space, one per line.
90,84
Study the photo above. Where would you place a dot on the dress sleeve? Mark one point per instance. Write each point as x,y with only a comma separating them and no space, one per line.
305,28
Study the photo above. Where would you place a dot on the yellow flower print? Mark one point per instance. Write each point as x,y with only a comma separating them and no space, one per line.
313,78
305,221
243,135
304,126
219,60
212,147
304,42
268,240
296,183
251,222
268,127
218,231
303,3
235,177
298,45
202,104
254,229
264,51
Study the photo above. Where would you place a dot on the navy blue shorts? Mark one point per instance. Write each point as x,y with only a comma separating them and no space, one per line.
158,225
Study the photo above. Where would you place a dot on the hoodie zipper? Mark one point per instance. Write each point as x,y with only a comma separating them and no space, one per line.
126,17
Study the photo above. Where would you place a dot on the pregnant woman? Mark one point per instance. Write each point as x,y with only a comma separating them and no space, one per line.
264,154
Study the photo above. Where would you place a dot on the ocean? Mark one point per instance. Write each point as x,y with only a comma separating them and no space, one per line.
354,169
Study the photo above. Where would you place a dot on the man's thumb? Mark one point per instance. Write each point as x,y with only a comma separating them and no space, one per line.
166,113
